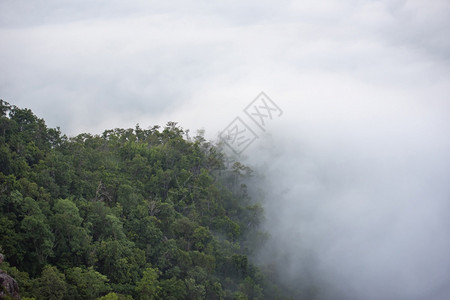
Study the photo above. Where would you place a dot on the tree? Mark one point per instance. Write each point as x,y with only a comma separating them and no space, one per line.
71,239
194,290
172,289
120,261
51,285
38,238
115,296
201,237
87,283
148,287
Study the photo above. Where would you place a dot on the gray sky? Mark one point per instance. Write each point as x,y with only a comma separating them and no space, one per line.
91,65
358,163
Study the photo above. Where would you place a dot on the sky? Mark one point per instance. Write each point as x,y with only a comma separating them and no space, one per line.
355,169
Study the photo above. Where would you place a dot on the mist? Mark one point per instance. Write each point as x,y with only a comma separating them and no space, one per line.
357,198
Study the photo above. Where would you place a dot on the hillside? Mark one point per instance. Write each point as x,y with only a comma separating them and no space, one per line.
129,214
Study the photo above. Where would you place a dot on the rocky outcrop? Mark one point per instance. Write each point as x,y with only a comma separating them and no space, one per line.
8,286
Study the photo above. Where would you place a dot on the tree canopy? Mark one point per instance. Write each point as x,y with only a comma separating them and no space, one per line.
128,214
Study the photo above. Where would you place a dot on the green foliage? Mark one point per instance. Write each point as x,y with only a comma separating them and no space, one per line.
71,239
51,284
85,217
86,283
115,296
172,289
148,287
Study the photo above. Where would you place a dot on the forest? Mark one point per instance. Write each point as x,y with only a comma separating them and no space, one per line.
128,214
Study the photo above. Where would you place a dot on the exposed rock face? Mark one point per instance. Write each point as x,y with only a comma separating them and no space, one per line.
8,286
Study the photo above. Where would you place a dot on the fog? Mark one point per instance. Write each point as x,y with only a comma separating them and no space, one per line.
357,199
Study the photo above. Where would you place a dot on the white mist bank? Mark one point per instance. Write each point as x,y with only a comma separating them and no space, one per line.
358,200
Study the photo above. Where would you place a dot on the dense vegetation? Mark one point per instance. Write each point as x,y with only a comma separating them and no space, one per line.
129,214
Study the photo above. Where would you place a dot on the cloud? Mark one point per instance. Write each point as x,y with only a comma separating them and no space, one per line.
357,200
149,58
